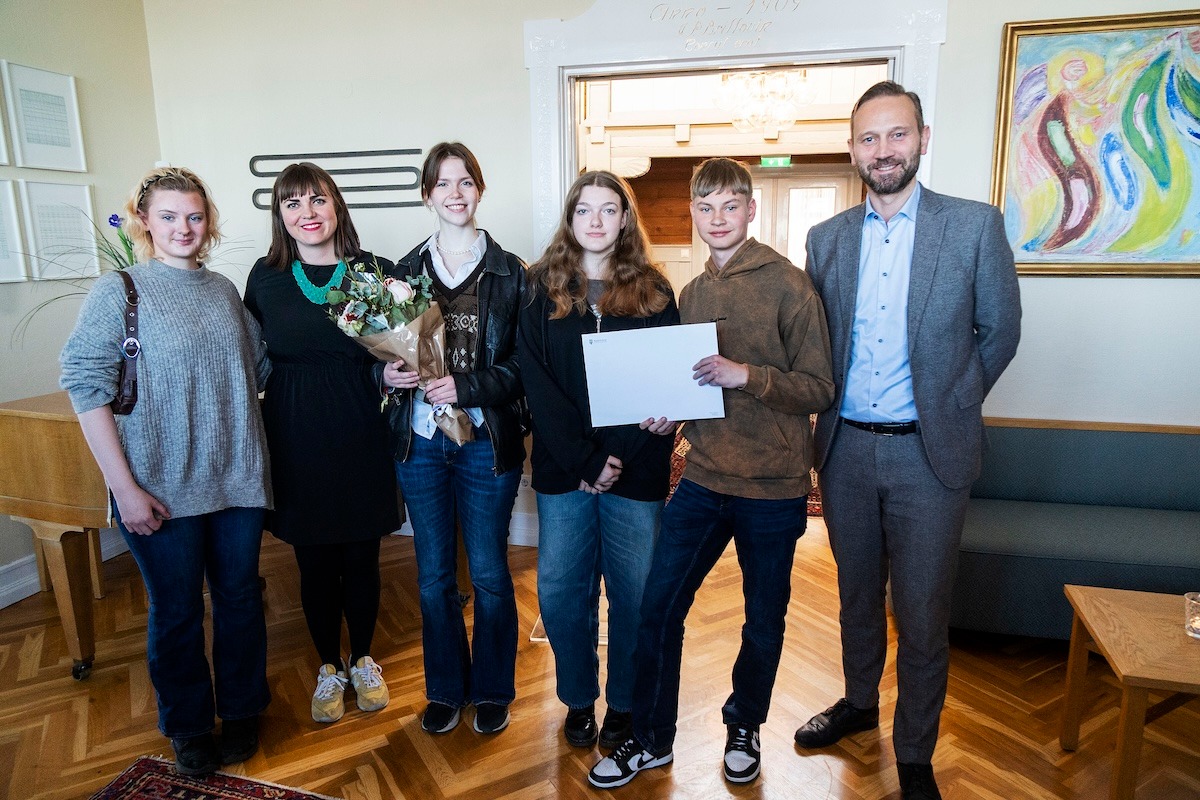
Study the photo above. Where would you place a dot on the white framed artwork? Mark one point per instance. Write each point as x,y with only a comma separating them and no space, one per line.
12,249
43,115
62,238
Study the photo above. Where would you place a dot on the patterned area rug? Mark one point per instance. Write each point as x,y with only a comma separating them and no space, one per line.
155,778
679,461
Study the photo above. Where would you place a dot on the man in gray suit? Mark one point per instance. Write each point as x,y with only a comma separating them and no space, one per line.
921,296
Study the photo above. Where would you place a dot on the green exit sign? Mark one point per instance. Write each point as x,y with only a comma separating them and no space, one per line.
775,161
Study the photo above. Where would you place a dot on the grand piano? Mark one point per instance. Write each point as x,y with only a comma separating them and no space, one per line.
50,482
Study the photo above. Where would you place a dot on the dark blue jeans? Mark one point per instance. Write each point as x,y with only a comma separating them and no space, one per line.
697,524
582,536
174,561
439,479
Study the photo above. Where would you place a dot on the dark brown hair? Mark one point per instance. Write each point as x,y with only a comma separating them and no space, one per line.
636,286
890,89
433,164
300,179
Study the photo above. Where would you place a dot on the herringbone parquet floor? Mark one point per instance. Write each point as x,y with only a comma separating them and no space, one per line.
65,739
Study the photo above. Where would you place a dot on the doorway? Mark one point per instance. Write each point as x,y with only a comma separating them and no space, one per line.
789,124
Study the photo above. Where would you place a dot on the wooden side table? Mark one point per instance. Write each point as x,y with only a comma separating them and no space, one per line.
1141,636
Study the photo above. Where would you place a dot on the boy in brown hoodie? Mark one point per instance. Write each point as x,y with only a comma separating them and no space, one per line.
747,476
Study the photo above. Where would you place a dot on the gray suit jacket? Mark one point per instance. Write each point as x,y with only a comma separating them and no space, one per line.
964,321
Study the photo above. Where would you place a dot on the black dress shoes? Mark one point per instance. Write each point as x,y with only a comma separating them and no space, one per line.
917,783
835,722
580,727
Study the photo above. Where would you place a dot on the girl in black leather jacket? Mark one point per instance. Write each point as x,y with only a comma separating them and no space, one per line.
478,287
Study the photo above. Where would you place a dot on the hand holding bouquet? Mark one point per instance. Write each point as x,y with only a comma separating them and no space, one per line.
397,320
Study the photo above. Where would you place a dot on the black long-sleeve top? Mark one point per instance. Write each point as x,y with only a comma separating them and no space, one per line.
566,448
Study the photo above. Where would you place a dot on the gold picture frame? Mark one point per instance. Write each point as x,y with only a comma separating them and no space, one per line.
1096,162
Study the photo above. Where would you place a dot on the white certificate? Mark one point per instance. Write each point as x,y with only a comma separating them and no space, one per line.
638,374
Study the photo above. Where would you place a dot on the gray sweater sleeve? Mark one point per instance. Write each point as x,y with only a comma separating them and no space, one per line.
90,360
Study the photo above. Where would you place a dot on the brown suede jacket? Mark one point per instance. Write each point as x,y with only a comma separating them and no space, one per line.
768,317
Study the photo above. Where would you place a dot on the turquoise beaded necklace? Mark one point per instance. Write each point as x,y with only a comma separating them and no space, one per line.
316,294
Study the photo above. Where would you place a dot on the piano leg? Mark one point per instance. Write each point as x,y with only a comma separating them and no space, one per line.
66,551
95,561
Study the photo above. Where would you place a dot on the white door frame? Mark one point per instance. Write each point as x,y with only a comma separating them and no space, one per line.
613,37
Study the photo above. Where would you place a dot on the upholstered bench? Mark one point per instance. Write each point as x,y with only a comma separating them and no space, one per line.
1111,508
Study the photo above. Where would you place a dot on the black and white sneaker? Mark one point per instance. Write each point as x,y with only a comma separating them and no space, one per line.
439,718
490,718
619,767
743,756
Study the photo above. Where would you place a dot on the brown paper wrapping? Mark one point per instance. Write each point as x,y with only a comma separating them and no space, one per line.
422,342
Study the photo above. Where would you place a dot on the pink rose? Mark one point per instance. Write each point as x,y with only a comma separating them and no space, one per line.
400,290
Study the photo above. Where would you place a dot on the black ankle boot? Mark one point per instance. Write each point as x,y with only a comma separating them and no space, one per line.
196,755
239,739
580,727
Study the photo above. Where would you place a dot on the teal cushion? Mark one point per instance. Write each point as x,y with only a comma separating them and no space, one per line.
1091,467
1083,533
1016,557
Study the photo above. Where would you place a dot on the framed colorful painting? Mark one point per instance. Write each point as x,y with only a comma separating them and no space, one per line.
1097,156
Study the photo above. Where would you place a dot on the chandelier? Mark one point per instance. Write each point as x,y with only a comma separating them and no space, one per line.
766,102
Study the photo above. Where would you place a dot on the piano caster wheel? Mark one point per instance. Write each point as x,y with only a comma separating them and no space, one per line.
81,669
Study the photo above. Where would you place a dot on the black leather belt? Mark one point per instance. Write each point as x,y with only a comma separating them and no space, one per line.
884,428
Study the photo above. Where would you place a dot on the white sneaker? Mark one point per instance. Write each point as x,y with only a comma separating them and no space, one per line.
619,768
743,754
328,703
370,690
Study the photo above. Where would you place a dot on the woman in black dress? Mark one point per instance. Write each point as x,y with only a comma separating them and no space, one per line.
335,492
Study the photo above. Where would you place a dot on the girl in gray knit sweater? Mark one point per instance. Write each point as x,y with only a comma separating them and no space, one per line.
188,468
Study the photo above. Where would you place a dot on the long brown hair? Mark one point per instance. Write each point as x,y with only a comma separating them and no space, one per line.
306,178
636,286
168,179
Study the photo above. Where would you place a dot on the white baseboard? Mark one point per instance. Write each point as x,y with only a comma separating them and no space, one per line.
112,543
523,530
19,579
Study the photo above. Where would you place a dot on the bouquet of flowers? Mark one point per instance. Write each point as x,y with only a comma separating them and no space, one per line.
398,320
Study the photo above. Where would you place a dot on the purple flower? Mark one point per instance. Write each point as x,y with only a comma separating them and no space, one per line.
114,221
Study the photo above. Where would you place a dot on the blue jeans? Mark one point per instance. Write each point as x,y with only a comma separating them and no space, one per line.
697,525
174,561
439,479
582,536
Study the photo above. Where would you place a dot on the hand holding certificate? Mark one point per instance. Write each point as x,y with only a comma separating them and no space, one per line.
636,375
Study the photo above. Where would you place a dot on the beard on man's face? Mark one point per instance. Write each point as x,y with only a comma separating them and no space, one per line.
893,182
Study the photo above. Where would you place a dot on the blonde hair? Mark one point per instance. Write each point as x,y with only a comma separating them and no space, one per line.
171,179
636,286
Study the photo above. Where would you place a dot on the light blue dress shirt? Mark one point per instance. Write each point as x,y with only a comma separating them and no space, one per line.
879,380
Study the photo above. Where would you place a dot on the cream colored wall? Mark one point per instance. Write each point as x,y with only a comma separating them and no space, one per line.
104,46
1106,349
302,76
